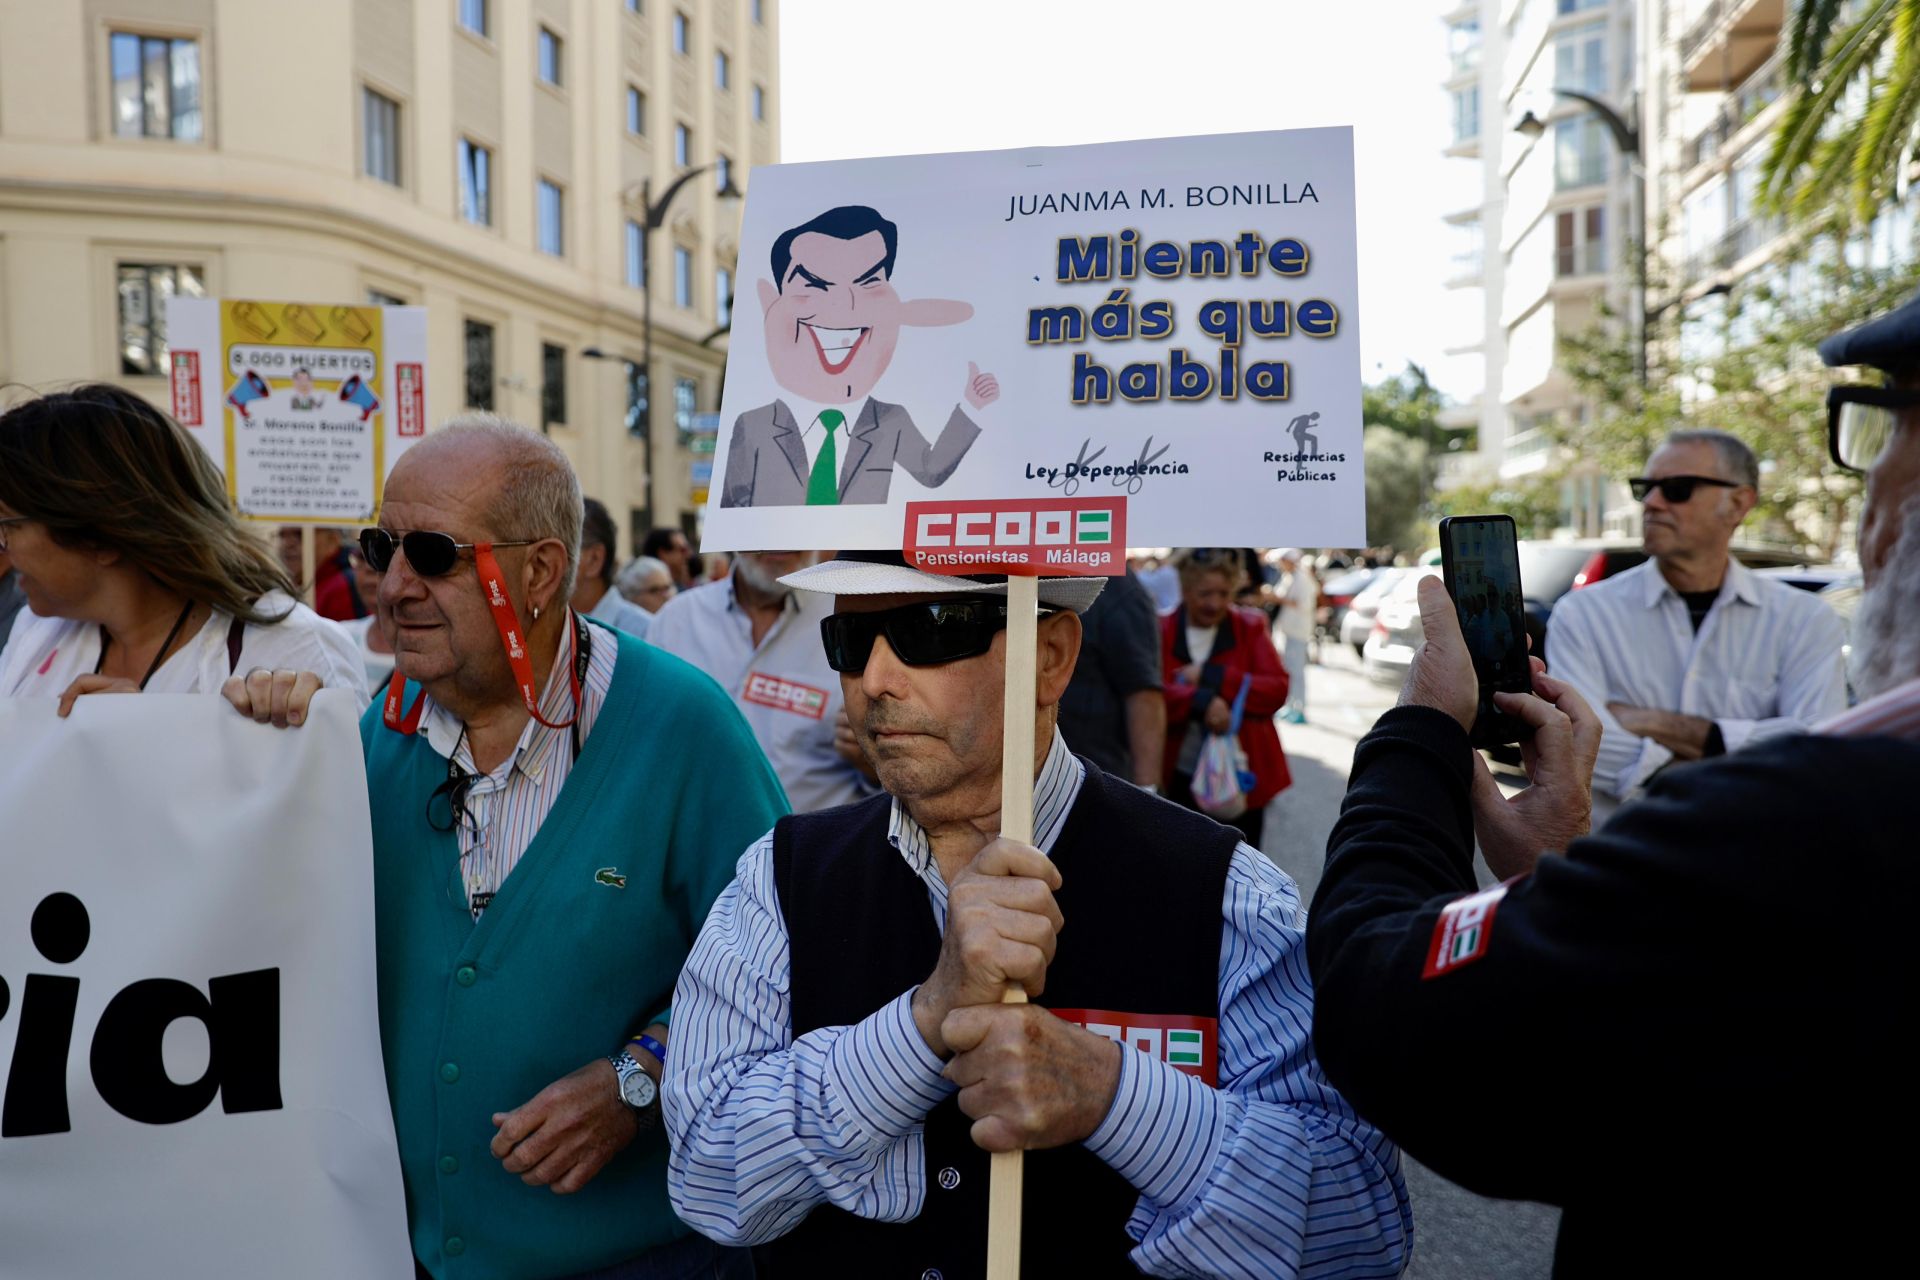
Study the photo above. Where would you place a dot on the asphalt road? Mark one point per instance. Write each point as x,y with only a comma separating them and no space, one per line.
1457,1235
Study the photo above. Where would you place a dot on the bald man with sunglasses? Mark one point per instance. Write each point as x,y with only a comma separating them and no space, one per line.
1691,654
843,1063
555,806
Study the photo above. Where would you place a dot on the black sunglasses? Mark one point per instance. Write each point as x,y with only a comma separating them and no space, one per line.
923,634
430,554
1674,488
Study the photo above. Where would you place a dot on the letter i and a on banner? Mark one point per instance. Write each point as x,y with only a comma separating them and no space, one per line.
303,406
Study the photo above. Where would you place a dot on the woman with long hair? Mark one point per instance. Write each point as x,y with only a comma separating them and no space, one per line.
137,573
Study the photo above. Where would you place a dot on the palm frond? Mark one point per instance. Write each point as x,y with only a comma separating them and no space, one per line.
1808,25
1798,136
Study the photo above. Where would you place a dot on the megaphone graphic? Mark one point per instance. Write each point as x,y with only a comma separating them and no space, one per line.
354,391
251,387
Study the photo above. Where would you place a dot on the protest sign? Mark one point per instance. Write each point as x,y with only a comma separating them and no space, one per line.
189,1044
304,406
1170,323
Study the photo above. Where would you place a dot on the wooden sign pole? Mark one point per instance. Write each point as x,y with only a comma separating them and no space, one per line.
1006,1177
307,566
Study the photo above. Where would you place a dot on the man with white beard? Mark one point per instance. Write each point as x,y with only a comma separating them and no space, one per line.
761,642
1684,1030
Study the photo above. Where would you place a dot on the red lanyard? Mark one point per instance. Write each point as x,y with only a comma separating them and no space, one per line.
495,585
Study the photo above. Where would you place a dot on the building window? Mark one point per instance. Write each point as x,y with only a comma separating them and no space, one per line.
759,102
476,183
634,6
636,399
682,276
479,365
1463,45
553,386
1580,241
686,403
550,58
144,289
381,298
722,171
636,111
723,295
1579,152
1576,6
550,207
1580,58
156,87
722,70
1466,114
636,255
473,16
682,145
381,122
759,13
682,32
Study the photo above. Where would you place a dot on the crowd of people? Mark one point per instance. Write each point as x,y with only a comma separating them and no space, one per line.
782,1048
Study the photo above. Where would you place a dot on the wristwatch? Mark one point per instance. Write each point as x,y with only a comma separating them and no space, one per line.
637,1089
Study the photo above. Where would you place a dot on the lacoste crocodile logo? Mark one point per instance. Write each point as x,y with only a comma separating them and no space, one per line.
611,877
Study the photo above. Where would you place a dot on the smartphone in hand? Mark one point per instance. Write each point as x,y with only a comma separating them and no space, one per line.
1480,561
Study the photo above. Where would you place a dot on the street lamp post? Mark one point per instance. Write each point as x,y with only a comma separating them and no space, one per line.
652,218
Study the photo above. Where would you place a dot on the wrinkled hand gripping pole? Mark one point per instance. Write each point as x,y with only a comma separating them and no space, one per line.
1007,1174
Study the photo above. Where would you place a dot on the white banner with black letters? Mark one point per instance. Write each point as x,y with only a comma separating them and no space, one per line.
190,1074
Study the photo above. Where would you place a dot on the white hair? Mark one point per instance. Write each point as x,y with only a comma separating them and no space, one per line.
629,581
1735,454
1886,628
538,495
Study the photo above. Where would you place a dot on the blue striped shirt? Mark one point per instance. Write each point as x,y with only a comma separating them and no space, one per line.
505,808
1271,1174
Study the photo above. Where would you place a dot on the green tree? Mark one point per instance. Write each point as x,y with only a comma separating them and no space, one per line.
1396,489
1764,385
1533,501
1405,402
1853,108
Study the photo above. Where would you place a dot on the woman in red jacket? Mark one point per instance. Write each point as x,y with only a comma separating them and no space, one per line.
1208,649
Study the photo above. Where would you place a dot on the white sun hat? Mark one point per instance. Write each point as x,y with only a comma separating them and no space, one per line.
885,573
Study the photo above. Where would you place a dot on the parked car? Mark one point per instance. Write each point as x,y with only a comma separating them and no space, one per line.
1809,577
1336,595
1357,621
1396,634
1550,568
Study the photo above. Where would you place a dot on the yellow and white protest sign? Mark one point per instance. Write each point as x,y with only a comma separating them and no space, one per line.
305,406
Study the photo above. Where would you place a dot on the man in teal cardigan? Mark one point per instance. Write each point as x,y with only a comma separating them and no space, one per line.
555,807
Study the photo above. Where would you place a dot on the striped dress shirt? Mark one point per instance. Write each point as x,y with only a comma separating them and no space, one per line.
1271,1174
504,808
1766,661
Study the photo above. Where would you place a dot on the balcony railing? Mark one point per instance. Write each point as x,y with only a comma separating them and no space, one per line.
1706,24
1744,237
1758,92
1588,259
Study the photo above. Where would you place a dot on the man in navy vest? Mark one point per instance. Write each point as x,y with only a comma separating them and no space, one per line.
842,1062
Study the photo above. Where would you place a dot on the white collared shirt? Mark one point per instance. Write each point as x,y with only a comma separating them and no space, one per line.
813,436
789,695
505,808
1765,661
622,614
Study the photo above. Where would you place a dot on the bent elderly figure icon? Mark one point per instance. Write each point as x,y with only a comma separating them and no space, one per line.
833,321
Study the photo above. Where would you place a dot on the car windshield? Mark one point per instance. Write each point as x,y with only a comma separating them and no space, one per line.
1547,569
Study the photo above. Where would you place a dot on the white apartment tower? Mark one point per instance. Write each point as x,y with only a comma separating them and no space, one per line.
1555,218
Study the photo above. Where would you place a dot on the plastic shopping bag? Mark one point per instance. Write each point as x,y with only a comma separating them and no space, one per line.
1221,779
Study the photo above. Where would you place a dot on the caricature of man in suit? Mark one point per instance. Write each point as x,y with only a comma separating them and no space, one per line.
833,320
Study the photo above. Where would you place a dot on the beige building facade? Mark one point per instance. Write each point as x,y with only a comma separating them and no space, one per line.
491,160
